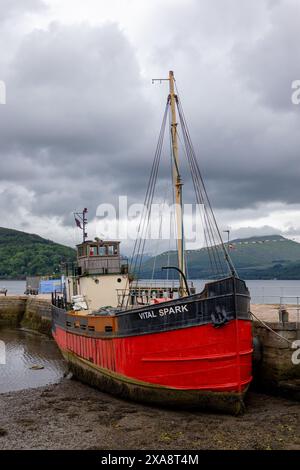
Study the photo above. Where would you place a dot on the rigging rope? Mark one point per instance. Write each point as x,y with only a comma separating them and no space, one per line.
215,239
219,259
139,245
270,329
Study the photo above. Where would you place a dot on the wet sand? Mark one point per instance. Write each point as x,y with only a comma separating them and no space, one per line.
70,415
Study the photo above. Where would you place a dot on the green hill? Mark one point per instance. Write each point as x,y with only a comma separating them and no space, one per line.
269,257
23,254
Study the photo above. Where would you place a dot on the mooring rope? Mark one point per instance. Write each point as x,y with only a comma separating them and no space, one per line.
269,328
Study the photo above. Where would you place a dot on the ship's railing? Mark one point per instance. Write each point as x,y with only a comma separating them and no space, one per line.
145,295
144,292
59,301
130,298
97,266
162,283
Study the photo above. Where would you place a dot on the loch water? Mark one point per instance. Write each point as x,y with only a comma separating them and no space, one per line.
28,360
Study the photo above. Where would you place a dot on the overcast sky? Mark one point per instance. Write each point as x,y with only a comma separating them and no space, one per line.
82,117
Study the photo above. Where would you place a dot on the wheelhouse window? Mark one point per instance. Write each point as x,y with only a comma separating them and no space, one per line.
111,250
102,250
93,251
80,251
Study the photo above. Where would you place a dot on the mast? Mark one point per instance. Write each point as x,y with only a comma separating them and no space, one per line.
81,222
177,185
84,224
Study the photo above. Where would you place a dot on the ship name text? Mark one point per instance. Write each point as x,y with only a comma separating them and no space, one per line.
163,312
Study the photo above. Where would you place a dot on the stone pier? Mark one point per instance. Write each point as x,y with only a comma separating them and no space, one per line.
278,370
26,311
12,309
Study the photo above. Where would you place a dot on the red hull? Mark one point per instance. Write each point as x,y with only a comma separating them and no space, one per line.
195,358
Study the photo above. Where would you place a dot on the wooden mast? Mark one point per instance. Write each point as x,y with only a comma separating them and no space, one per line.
177,185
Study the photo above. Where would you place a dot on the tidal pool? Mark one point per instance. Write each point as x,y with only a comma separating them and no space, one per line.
31,360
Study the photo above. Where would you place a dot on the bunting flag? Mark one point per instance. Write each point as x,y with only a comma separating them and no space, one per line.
236,245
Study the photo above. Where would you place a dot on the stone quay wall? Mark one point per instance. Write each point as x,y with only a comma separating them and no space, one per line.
277,368
26,311
12,309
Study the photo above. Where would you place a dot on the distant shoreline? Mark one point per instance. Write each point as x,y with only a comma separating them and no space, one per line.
171,280
193,278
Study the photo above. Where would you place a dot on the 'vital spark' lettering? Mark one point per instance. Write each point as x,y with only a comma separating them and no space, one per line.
163,312
145,315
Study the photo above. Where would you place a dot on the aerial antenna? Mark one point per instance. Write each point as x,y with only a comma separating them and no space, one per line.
81,222
159,80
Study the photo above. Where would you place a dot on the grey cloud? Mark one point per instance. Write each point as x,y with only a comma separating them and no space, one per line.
246,232
270,64
77,86
79,127
76,113
11,8
248,152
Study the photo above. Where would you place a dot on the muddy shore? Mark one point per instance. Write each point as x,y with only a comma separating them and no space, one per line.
70,415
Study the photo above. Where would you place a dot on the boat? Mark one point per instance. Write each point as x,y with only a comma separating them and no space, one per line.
163,345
